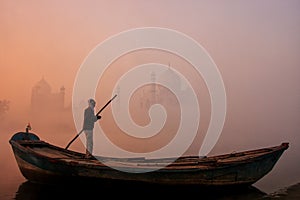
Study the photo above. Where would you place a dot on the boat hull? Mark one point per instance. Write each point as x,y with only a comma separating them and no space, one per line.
220,171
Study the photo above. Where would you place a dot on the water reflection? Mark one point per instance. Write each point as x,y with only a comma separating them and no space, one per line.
34,191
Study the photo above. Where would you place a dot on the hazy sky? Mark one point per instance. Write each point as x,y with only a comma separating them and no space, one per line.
255,45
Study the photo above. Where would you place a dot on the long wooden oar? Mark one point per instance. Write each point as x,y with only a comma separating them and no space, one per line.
96,115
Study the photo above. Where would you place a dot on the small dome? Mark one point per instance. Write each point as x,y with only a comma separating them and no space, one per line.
62,88
170,77
43,86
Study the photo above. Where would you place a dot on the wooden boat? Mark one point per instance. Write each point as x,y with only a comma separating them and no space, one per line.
40,161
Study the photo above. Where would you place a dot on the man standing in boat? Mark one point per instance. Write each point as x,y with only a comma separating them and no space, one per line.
88,126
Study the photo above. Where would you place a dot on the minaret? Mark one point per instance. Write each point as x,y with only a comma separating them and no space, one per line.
153,87
61,97
118,91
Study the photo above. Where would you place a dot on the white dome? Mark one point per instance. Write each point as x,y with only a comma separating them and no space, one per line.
42,87
170,77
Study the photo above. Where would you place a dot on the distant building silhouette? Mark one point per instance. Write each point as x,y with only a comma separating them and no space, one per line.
155,93
44,100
